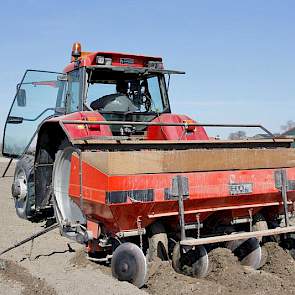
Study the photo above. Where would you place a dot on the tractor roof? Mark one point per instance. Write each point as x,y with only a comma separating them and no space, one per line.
114,59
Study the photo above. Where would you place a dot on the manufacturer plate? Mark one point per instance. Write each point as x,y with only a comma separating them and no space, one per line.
126,61
240,188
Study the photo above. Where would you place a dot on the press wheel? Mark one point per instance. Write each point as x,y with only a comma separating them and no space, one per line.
129,264
192,261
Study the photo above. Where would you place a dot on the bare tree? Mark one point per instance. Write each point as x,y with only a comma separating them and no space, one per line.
237,135
289,125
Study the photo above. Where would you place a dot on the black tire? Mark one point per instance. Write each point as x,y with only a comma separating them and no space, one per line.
23,187
158,242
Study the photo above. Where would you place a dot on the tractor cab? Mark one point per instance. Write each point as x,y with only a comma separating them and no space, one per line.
125,94
121,87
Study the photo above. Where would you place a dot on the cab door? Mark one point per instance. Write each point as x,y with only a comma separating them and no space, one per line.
39,95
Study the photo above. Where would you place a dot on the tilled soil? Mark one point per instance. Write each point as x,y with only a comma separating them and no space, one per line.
52,267
228,276
45,266
12,272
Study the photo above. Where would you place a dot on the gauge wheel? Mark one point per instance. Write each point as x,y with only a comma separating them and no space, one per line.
248,251
259,223
129,264
191,261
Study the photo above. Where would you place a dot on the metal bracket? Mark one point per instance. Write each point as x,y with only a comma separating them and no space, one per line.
80,177
131,233
138,222
199,225
180,189
251,218
238,236
281,182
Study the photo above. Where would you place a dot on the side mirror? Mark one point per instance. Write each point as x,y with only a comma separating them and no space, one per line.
21,98
62,78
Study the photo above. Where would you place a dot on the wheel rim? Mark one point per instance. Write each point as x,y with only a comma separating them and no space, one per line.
20,192
66,210
129,264
200,266
248,251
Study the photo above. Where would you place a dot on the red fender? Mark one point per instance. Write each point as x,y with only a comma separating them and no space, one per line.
76,131
175,132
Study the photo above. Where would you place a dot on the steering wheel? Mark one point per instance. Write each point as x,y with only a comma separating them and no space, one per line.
147,101
146,98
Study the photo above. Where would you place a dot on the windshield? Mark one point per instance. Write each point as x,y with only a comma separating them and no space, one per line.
113,92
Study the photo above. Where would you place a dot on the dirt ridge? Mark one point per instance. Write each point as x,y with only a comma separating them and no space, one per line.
12,272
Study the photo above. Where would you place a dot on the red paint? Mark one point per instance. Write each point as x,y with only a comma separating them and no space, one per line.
175,132
78,131
206,189
89,59
87,131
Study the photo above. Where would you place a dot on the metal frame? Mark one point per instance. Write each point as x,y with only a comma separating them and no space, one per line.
7,167
143,70
22,80
141,73
186,125
179,190
175,213
239,236
284,188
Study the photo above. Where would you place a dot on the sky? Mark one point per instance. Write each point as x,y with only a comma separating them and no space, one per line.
239,56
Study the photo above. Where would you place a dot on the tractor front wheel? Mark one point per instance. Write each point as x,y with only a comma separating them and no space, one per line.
22,187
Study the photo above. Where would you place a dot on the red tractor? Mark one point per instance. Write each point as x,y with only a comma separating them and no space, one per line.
101,153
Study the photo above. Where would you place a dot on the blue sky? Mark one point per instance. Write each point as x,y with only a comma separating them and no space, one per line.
239,56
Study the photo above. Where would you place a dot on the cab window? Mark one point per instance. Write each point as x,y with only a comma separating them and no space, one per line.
73,103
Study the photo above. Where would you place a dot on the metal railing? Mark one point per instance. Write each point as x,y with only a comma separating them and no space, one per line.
185,125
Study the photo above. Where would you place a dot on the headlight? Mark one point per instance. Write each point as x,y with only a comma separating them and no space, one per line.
100,60
158,65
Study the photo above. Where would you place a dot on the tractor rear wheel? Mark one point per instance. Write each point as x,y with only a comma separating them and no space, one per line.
22,187
67,212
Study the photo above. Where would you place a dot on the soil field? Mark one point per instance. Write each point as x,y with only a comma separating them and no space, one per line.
54,265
